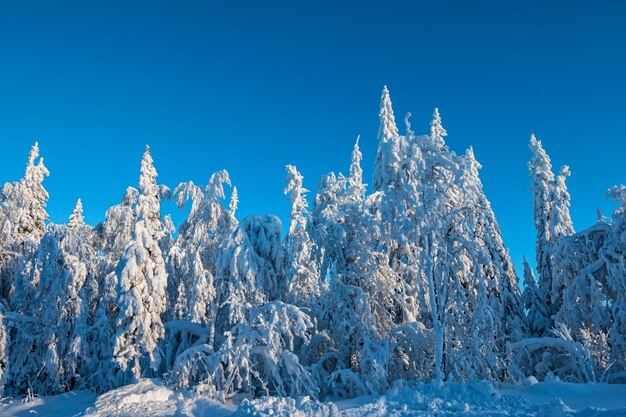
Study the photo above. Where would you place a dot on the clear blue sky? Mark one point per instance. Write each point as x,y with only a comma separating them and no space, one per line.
253,86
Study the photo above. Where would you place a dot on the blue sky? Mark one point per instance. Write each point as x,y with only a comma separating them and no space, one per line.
252,86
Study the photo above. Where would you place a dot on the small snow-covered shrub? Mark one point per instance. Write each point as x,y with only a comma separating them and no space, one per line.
551,357
257,357
411,350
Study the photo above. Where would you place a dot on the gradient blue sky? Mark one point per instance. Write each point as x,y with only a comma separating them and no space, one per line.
253,86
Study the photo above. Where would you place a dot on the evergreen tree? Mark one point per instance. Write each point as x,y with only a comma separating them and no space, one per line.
23,220
540,169
76,218
301,274
141,282
535,307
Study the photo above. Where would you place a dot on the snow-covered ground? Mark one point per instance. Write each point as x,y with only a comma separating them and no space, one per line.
150,398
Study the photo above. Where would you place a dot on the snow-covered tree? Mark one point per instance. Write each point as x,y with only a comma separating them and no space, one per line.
534,305
540,168
500,280
249,270
24,213
23,219
387,155
76,218
613,255
116,231
301,272
141,282
258,356
209,221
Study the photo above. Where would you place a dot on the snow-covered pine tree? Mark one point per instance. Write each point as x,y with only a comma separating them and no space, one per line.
301,272
560,224
542,177
141,283
249,270
23,220
76,218
496,264
498,311
209,222
386,157
613,255
206,227
580,279
534,305
395,204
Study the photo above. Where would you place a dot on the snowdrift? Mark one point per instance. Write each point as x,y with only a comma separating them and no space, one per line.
150,398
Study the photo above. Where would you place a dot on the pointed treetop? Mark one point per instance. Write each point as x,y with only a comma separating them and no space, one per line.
147,174
357,188
76,218
35,170
437,132
540,164
356,172
234,202
473,165
33,154
388,128
529,275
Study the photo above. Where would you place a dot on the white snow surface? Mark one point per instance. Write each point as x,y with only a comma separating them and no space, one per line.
150,398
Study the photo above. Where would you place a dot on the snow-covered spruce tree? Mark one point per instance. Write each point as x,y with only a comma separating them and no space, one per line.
560,224
49,347
613,255
494,297
209,222
396,205
249,270
116,231
457,261
580,278
76,218
502,284
301,272
141,284
206,227
23,219
536,310
351,359
540,169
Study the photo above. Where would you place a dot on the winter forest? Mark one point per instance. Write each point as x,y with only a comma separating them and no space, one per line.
407,280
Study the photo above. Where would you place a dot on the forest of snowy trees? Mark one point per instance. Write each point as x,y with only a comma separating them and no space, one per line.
411,281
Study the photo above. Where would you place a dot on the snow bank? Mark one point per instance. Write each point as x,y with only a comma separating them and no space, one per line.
575,396
286,407
150,398
548,399
68,404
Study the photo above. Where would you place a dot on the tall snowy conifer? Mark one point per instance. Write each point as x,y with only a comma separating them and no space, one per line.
23,219
302,276
540,169
142,282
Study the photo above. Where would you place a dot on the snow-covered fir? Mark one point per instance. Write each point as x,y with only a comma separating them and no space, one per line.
370,292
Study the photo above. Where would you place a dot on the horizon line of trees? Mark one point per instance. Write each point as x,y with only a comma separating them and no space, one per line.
411,281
